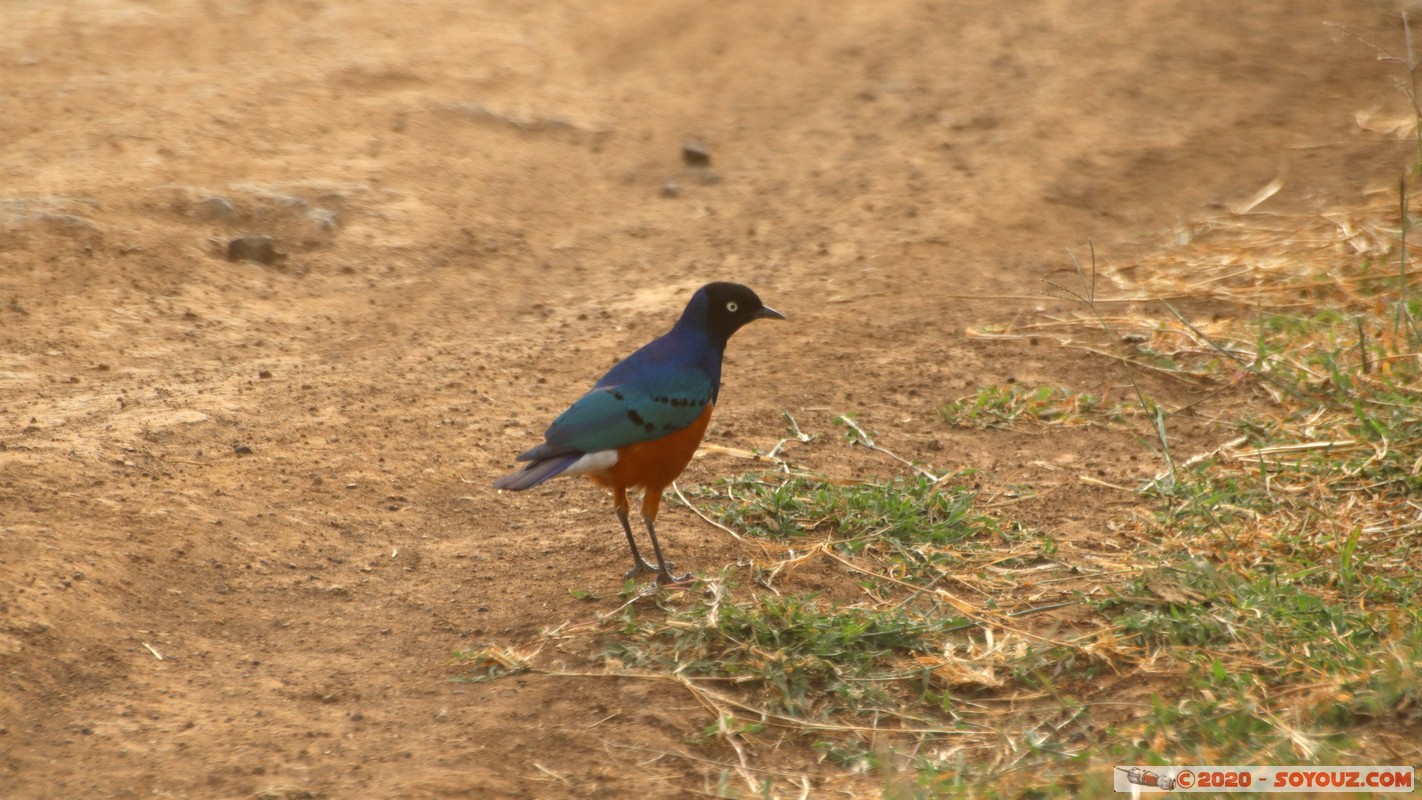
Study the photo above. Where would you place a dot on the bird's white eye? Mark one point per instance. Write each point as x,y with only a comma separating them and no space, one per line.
732,307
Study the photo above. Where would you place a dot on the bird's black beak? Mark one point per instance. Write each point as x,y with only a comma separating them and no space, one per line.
766,312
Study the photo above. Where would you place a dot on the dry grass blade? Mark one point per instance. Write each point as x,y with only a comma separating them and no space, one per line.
868,441
1253,201
682,497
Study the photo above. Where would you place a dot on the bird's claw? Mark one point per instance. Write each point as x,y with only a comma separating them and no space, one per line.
665,575
638,567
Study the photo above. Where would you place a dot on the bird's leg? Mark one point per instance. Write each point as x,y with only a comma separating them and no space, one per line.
664,567
651,503
639,566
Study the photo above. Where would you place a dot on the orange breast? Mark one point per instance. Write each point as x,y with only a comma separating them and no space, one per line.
654,465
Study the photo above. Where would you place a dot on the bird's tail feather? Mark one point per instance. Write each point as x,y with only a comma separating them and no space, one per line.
535,473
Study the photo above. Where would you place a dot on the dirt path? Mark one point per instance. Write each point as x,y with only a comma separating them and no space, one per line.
244,509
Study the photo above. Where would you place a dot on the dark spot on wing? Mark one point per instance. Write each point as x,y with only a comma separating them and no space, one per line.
637,420
678,402
618,395
674,402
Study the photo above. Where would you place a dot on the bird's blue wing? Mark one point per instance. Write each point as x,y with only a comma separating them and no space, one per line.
641,408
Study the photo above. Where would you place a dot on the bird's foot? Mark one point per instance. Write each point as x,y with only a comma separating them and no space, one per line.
665,575
638,567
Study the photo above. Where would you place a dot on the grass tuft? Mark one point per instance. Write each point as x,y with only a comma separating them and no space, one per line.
1003,407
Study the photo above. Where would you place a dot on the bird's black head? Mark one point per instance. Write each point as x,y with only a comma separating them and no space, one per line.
722,308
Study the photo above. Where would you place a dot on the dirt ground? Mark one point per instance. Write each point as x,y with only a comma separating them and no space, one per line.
245,515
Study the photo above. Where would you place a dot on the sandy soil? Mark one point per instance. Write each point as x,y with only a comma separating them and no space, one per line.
276,476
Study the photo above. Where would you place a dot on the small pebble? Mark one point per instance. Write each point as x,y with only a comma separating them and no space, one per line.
260,249
215,208
695,154
322,218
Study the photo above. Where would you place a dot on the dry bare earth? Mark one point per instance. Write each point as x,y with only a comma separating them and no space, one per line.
245,508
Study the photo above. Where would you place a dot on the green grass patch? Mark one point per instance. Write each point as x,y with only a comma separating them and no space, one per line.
1007,405
910,510
802,656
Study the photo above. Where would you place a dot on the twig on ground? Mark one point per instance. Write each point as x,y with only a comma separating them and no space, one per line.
702,514
868,441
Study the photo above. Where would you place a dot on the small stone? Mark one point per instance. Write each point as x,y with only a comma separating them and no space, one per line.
215,208
671,189
260,249
242,450
266,373
695,154
67,223
322,218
